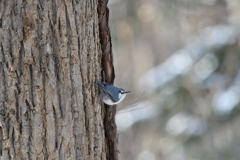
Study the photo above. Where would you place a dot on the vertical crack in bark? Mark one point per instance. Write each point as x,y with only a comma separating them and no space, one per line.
13,140
30,110
55,127
44,115
58,108
20,63
55,57
60,113
9,155
17,105
28,118
3,79
1,140
31,85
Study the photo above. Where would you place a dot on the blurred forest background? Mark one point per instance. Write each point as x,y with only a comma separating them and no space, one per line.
181,60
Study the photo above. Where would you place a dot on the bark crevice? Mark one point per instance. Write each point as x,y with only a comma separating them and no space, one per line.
1,140
44,117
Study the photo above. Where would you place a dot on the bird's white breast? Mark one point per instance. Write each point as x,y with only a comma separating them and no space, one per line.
108,101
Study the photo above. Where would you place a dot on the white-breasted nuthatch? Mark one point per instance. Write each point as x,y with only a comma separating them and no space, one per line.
110,94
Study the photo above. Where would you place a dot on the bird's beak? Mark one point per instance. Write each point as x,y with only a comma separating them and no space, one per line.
127,91
100,84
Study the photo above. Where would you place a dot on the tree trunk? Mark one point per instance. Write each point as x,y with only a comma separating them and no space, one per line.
50,58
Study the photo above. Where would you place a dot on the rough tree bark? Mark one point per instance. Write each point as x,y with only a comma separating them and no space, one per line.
50,58
108,74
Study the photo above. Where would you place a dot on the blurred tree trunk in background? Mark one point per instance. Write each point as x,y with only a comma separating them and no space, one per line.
50,58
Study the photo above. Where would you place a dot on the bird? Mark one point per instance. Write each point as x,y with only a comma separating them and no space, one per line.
110,94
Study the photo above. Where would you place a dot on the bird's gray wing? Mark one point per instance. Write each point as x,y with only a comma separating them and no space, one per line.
111,91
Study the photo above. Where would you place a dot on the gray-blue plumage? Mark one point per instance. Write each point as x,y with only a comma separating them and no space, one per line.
111,94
